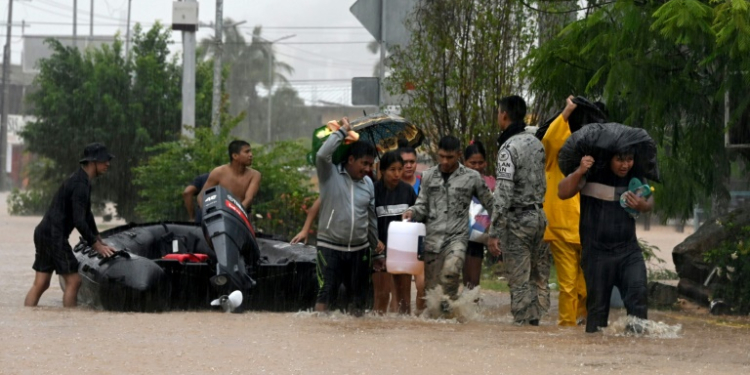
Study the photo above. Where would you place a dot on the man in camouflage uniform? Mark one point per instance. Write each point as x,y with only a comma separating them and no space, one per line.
518,221
443,205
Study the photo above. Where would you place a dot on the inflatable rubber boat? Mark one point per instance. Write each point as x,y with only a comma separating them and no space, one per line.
178,265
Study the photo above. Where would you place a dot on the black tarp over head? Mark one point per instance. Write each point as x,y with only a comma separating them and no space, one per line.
603,141
586,112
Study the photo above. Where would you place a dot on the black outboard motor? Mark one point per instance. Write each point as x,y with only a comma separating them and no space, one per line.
228,230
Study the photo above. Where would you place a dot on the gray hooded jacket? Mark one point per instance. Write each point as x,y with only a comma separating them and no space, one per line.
347,219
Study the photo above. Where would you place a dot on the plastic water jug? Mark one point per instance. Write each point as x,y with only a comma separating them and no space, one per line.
403,245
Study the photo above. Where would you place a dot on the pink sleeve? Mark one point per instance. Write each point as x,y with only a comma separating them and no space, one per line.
490,181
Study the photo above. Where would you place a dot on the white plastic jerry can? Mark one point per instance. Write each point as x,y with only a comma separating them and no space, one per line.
404,241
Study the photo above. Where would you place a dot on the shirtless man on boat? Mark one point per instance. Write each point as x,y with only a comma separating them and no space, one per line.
238,177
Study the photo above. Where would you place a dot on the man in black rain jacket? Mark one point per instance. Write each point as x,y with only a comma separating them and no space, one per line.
70,208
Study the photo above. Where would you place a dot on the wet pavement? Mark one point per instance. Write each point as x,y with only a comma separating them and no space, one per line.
52,340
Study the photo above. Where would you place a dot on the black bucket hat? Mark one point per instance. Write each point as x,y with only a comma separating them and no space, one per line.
96,152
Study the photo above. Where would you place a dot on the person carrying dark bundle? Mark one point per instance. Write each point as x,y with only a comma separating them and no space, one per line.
563,217
611,253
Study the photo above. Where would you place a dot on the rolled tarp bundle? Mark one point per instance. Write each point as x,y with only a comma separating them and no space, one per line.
603,141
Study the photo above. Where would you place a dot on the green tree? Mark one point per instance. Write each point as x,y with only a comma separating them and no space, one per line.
461,60
248,62
281,165
665,66
128,103
160,183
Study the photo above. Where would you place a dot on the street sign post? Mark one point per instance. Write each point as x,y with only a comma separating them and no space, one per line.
396,12
386,22
365,91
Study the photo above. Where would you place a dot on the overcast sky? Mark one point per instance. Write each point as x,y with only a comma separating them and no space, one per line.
333,64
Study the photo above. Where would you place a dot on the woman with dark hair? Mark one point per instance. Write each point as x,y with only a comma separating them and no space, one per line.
475,158
409,155
414,179
392,198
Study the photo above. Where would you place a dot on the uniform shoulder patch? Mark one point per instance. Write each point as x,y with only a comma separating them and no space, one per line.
505,168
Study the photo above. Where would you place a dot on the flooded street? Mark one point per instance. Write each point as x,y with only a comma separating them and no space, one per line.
52,340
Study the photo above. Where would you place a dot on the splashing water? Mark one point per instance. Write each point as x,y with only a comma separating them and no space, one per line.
441,306
439,309
636,327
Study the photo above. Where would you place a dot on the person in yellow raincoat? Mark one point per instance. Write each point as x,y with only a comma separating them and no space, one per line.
562,230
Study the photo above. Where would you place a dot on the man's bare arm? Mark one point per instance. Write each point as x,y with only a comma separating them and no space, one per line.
187,198
573,183
569,108
252,189
311,214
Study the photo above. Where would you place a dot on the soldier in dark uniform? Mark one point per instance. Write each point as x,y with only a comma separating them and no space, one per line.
518,221
443,205
70,208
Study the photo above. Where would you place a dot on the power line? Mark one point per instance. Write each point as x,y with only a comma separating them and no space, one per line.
331,63
309,27
109,7
70,9
290,43
321,80
62,14
316,32
323,31
245,43
328,58
527,5
52,23
46,11
294,43
83,11
280,28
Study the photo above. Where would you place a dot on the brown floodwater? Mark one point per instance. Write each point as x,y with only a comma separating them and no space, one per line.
52,340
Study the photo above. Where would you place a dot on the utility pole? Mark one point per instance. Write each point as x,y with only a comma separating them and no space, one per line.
188,80
381,81
270,81
75,23
216,102
4,117
270,90
91,19
127,33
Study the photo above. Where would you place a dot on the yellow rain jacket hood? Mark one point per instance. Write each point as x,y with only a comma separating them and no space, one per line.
563,215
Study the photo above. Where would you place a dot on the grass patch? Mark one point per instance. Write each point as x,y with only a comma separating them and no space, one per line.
496,285
493,275
662,274
552,273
